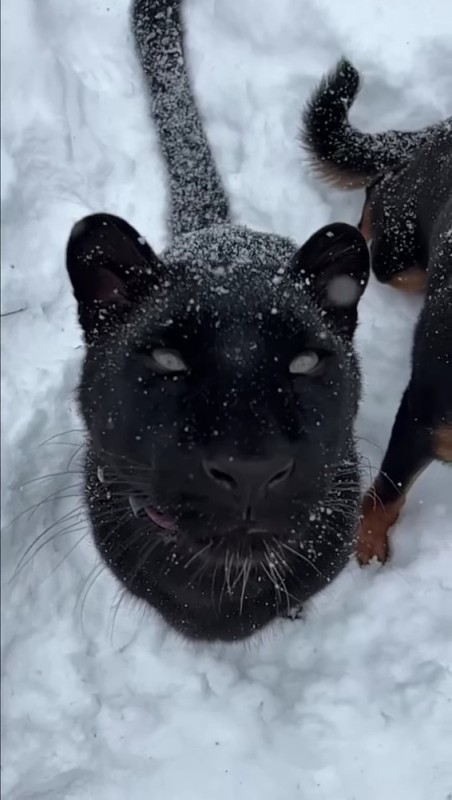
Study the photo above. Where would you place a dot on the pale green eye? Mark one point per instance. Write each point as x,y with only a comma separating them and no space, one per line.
165,361
305,364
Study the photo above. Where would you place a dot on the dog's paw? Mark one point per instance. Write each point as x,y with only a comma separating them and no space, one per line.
376,520
372,544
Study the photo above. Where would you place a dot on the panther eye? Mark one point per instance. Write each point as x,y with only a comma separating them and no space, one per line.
165,361
307,363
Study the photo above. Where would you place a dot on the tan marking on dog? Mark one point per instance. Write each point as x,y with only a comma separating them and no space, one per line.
412,280
378,517
375,523
443,443
365,225
329,172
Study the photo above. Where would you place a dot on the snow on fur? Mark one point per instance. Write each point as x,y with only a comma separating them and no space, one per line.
99,700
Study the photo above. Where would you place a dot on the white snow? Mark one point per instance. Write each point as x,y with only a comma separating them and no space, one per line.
354,702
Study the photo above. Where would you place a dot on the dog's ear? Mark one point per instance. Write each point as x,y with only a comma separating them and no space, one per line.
111,268
333,267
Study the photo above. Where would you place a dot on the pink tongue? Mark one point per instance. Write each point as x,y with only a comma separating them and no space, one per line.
162,520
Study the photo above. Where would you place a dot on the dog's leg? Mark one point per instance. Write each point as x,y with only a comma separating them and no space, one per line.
409,453
442,443
395,262
412,279
398,269
393,238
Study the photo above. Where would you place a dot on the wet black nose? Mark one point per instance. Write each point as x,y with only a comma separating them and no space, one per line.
247,477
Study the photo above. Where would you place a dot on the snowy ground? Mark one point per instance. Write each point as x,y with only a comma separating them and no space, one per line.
354,703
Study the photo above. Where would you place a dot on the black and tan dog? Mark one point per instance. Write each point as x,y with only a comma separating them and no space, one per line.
407,218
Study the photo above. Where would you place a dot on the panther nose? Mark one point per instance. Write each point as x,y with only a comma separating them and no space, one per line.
246,478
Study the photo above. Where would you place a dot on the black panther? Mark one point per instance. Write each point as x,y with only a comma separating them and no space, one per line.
219,387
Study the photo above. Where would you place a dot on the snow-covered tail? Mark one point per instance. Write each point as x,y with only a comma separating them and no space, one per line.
197,196
342,154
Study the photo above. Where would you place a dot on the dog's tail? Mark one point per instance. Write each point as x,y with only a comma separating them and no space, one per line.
340,153
197,196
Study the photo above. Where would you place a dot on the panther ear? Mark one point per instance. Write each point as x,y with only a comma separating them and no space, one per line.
333,266
111,267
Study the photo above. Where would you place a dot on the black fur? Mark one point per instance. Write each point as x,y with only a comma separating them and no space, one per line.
405,204
418,231
408,217
243,471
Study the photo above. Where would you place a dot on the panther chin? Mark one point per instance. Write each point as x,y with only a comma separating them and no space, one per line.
235,544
